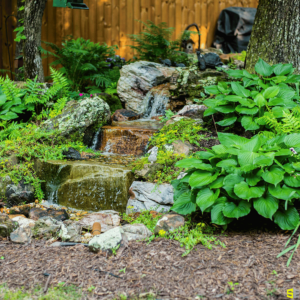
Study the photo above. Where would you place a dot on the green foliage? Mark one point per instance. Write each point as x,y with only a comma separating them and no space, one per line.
83,62
247,102
241,174
27,143
184,130
154,43
167,117
241,56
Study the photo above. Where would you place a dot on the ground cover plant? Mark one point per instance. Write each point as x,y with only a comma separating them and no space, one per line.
273,89
241,174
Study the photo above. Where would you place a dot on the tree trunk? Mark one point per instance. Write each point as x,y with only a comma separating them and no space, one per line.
34,10
19,45
275,36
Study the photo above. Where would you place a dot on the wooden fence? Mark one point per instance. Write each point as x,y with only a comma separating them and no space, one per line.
111,21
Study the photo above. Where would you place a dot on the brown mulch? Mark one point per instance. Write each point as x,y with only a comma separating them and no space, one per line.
248,259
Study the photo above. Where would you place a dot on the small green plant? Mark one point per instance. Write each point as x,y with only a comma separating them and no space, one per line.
247,102
274,273
167,117
241,56
115,249
91,288
2,257
231,286
241,174
122,270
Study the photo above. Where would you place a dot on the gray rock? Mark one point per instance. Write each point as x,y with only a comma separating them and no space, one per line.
24,222
136,81
193,111
148,170
181,147
71,233
4,182
169,222
111,239
46,227
79,117
22,235
136,232
7,226
149,196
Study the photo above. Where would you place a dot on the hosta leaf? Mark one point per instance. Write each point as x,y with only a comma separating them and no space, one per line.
283,69
287,219
286,94
193,163
202,178
219,149
210,111
283,193
263,68
235,73
2,99
263,160
232,179
260,100
289,168
217,216
247,157
232,98
213,89
274,175
253,178
227,122
296,166
283,152
185,209
229,139
246,110
248,123
9,116
239,90
218,183
223,87
271,92
225,109
266,206
292,140
227,163
292,181
204,155
206,198
233,210
243,191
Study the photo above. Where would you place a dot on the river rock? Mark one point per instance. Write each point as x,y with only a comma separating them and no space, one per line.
122,115
169,222
108,219
21,235
70,233
149,196
136,232
112,238
20,193
57,214
46,227
136,81
181,147
7,226
24,222
79,117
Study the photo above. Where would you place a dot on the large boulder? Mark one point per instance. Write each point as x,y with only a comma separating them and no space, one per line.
7,226
81,117
46,227
149,196
21,235
137,79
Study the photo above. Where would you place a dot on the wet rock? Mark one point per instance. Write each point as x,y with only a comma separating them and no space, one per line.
22,235
19,194
7,226
108,219
181,147
111,239
149,196
46,227
169,222
24,222
79,116
20,210
125,115
57,214
71,153
136,81
136,232
71,233
148,170
193,111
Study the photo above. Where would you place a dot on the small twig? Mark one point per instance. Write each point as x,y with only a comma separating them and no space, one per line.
111,274
47,284
214,123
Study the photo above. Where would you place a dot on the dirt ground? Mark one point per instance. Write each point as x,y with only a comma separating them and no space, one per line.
248,259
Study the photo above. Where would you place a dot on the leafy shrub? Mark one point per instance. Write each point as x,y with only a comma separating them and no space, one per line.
247,102
83,62
155,43
240,174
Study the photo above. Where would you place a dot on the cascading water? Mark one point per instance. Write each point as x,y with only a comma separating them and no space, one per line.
95,141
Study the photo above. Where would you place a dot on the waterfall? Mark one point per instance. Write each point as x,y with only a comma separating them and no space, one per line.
95,141
156,101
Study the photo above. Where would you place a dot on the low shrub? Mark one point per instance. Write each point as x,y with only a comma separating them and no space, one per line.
241,174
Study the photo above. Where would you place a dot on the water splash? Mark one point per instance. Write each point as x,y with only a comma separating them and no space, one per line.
95,141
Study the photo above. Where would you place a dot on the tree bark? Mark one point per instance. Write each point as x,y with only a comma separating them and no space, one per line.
33,15
19,45
275,36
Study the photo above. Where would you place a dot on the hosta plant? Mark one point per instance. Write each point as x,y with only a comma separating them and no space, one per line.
241,174
246,101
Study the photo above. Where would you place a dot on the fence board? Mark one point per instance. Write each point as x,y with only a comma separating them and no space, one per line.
111,21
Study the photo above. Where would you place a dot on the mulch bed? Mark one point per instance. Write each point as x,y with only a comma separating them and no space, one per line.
248,259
